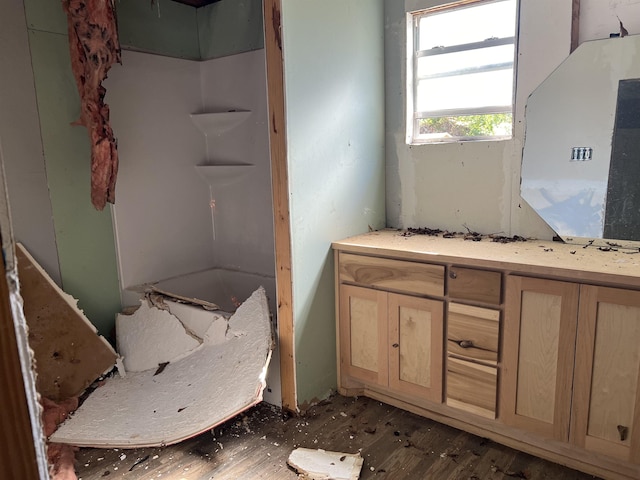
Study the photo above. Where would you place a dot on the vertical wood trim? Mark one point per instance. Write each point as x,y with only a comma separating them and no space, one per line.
280,192
575,24
17,455
339,318
510,347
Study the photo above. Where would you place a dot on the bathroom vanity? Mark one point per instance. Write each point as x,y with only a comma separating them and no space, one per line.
533,344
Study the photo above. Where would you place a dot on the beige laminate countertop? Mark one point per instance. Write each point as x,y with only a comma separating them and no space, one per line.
538,257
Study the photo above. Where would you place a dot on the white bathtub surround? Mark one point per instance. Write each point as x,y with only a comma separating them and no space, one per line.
194,211
190,396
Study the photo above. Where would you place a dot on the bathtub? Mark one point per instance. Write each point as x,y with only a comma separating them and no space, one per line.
223,287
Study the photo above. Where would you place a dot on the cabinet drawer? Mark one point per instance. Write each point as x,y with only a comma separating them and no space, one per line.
472,387
410,277
472,332
477,285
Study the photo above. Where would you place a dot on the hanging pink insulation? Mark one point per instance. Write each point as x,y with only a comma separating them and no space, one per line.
93,41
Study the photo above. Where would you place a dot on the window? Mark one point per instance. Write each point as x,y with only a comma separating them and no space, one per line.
461,72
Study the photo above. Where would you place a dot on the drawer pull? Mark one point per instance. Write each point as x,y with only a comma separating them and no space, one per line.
395,345
623,431
465,343
453,274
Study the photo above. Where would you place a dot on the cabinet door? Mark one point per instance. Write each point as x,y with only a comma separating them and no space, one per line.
363,334
538,354
416,341
606,416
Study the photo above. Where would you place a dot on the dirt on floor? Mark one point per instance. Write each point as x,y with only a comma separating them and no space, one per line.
395,444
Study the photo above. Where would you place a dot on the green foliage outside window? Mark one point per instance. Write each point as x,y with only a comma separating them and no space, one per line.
497,124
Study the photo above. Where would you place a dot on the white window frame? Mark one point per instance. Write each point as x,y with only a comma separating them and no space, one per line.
412,117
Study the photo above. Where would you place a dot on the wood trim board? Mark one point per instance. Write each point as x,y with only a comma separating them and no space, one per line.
280,192
17,455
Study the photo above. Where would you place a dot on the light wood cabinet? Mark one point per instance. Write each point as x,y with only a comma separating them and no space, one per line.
589,394
606,390
535,345
538,354
392,341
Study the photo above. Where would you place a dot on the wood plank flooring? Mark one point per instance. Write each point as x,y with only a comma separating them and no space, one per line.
395,445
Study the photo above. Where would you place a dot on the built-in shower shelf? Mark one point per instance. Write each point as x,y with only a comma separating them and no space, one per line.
220,175
217,123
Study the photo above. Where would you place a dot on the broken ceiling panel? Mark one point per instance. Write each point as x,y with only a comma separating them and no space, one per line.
188,397
68,352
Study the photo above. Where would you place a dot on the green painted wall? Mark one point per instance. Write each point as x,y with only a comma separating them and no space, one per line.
334,77
163,27
228,27
84,237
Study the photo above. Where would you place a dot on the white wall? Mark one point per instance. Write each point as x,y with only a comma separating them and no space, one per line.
599,18
244,209
31,212
333,55
472,184
162,215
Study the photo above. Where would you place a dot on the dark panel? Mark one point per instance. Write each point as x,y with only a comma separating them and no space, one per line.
196,3
622,214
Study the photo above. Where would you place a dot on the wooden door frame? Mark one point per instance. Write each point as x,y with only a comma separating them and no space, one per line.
18,455
280,193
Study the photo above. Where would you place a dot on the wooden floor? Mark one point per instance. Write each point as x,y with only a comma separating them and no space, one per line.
395,445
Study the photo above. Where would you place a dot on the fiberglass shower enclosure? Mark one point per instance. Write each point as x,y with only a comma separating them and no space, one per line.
193,201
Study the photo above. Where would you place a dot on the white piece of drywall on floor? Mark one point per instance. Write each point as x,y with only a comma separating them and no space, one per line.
161,215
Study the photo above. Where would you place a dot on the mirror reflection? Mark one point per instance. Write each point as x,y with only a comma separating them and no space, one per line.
581,159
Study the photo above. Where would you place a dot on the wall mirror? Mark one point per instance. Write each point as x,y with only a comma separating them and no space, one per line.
581,158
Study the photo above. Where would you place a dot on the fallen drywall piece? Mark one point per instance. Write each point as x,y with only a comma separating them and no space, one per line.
151,336
189,397
68,352
323,465
196,319
148,288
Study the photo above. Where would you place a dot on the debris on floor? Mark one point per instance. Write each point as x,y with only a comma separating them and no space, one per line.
69,353
178,398
323,465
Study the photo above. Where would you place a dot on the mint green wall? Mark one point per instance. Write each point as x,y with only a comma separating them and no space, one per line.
228,27
163,27
334,78
84,237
